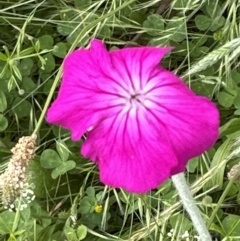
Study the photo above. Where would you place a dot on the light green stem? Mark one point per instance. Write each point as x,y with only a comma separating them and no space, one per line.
190,206
222,198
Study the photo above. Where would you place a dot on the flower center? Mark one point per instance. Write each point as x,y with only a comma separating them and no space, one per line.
136,99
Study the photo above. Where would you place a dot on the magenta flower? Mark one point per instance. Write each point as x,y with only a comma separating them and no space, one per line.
143,122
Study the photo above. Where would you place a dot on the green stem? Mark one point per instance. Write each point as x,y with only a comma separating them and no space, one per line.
48,100
222,198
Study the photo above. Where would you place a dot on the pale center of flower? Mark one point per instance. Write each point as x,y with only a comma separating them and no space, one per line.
136,99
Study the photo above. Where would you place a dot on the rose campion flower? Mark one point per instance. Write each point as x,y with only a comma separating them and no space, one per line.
143,122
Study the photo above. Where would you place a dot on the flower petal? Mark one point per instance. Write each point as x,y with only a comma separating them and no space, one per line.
191,122
129,152
135,65
77,106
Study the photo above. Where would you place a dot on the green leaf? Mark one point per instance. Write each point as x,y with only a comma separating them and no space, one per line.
65,30
63,168
154,24
231,225
46,42
3,57
16,71
216,180
192,164
225,99
26,213
237,112
38,212
3,101
72,38
81,232
60,50
181,4
4,72
3,123
202,22
62,150
70,233
138,16
27,51
6,222
216,229
199,41
232,190
230,127
59,131
50,159
11,84
50,63
199,51
47,86
87,205
203,88
41,179
90,191
21,107
217,23
105,32
26,66
209,71
235,76
236,100
213,9
176,29
179,218
19,232
91,220
28,85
